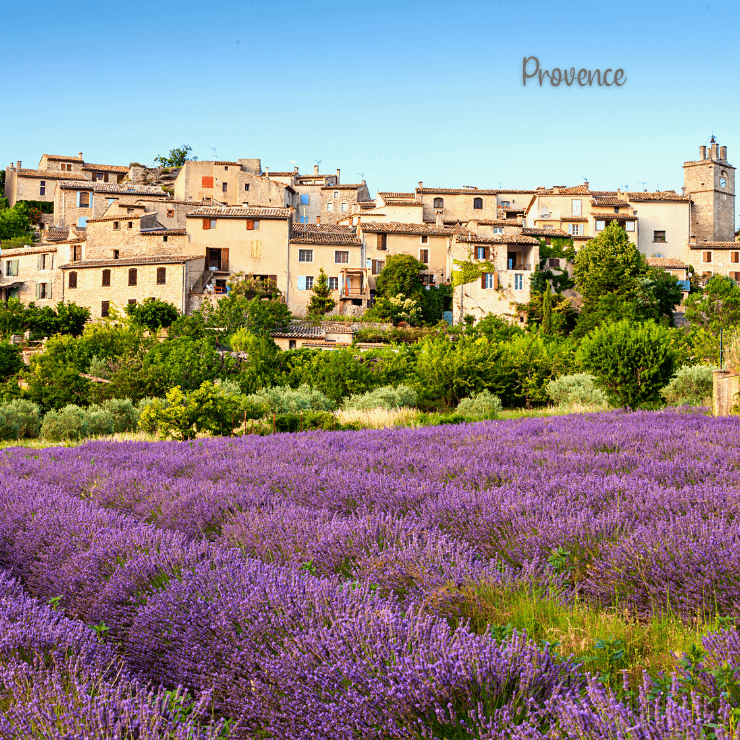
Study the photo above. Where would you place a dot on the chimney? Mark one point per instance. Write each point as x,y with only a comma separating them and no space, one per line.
337,177
421,184
267,171
702,152
586,184
18,164
80,155
316,169
723,153
295,169
438,220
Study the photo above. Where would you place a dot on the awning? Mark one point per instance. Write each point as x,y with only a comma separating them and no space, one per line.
13,284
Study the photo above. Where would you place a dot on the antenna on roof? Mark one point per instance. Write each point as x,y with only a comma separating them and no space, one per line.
214,153
318,161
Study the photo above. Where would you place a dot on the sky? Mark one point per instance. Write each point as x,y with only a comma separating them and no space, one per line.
392,92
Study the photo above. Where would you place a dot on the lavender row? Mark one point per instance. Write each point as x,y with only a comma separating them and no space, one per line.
642,508
57,680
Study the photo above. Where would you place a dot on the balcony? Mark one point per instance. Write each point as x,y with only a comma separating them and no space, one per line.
353,283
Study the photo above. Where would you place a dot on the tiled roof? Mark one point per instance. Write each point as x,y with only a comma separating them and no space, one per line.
612,216
240,212
279,174
401,202
665,262
397,196
131,261
511,210
354,186
164,232
104,167
20,251
324,234
472,191
495,221
81,240
51,175
54,234
126,188
544,232
367,204
464,236
120,217
314,332
228,164
661,195
712,245
608,200
515,239
394,227
58,158
574,219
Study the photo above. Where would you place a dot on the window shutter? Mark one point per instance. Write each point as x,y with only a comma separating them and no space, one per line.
250,224
48,290
301,282
38,289
206,223
483,280
39,264
207,182
495,281
224,259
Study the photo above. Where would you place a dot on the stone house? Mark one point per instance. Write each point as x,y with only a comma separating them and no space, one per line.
464,204
29,275
339,200
336,249
308,189
327,335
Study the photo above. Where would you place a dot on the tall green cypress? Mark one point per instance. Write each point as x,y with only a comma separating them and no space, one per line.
547,311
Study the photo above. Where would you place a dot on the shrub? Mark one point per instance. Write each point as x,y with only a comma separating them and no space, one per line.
71,422
147,415
481,404
8,426
101,423
578,389
295,422
691,385
25,415
284,399
387,397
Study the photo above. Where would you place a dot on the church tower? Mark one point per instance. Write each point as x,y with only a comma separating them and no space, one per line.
710,183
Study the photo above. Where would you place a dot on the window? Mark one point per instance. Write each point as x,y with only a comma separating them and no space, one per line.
209,223
498,229
170,213
344,207
116,225
439,203
480,253
116,254
99,176
11,268
487,280
616,209
76,253
164,237
305,200
575,229
735,276
382,241
84,199
43,290
305,282
505,204
575,207
329,206
518,282
129,210
659,236
707,256
133,276
44,262
424,239
106,280
104,309
161,276
335,194
629,225
333,283
42,187
553,262
424,256
305,255
291,344
246,188
256,248
252,224
130,225
377,266
544,212
477,204
224,187
341,258
600,225
735,257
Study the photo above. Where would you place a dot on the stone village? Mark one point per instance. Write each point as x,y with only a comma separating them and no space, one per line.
120,234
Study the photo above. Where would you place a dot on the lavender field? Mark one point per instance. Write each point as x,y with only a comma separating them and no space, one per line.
374,584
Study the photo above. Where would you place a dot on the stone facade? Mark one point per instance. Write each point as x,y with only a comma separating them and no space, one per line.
464,204
339,200
29,275
715,258
308,189
710,183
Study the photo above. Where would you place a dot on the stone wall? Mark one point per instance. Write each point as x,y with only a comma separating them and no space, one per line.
725,387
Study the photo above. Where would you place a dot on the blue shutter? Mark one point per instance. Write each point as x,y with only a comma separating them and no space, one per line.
301,282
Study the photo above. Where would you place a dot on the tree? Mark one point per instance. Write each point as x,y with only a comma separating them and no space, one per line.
557,277
610,263
177,157
10,360
249,286
321,301
631,362
259,316
667,291
15,222
547,312
718,307
400,276
152,313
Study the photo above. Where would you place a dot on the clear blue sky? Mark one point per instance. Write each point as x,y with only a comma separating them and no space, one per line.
400,91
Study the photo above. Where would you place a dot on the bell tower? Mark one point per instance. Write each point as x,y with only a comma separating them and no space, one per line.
710,183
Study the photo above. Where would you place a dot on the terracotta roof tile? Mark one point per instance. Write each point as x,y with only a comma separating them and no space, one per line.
164,232
660,195
612,216
279,174
20,251
574,219
714,245
105,167
240,212
51,175
59,157
545,232
120,217
397,196
354,186
473,191
324,234
665,262
172,259
367,204
401,202
608,200
395,227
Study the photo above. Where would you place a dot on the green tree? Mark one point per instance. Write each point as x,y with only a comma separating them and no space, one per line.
15,222
718,307
321,301
177,157
610,263
547,312
259,316
631,362
557,277
10,360
250,286
152,313
400,276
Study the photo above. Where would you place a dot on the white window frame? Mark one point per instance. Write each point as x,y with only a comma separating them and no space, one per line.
305,255
329,206
575,207
333,283
600,225
629,225
518,281
488,280
343,207
498,229
575,229
337,252
309,282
